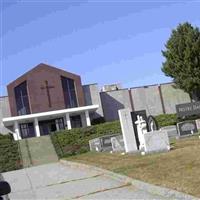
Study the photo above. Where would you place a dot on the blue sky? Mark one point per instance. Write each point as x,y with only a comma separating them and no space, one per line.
104,41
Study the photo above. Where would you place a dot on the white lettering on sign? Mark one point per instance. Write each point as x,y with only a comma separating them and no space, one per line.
106,141
188,127
185,109
196,107
188,109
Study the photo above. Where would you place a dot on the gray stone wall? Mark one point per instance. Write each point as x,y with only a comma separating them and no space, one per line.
113,101
172,97
147,98
92,96
4,112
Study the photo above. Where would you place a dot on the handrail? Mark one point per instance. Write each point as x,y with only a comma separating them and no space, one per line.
59,144
29,152
20,153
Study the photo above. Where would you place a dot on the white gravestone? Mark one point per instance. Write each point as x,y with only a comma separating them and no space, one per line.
156,141
141,129
151,126
198,123
127,130
117,143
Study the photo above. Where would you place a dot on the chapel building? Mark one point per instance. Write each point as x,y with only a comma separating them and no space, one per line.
44,100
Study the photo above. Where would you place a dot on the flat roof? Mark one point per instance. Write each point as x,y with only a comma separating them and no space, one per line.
43,115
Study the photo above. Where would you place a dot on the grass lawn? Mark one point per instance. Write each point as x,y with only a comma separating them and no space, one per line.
178,169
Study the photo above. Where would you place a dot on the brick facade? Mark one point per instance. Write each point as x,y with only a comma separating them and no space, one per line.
38,98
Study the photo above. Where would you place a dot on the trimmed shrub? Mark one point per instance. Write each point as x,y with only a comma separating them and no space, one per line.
76,141
166,120
172,119
9,154
99,120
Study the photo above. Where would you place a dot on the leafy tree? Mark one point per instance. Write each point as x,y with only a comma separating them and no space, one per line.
183,59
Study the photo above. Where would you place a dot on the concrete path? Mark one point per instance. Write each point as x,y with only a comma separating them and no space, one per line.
58,181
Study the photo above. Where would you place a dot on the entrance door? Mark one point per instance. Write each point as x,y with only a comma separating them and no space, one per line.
46,127
76,121
27,130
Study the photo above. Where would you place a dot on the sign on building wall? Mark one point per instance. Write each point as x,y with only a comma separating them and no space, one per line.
188,109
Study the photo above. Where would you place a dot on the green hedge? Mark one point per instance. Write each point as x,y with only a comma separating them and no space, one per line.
171,119
76,141
9,154
166,119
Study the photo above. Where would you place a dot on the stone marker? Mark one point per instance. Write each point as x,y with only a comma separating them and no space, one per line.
156,141
101,143
171,131
152,123
141,129
134,115
127,130
187,128
142,113
95,145
198,123
117,143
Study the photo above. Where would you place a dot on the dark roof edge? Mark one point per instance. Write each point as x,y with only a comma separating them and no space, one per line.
144,86
3,96
114,90
90,84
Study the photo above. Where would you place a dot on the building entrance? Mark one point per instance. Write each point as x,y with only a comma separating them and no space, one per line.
27,130
46,127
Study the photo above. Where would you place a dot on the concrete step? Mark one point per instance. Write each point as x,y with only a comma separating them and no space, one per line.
37,151
24,153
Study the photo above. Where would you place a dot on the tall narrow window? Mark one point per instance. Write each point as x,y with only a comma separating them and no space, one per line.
69,92
21,98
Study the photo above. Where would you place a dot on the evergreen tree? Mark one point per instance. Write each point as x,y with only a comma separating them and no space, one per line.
183,59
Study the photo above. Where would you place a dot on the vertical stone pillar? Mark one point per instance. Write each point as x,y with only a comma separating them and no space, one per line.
69,127
17,135
83,120
37,128
87,116
57,125
127,130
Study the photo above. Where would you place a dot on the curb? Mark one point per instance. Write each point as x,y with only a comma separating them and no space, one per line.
162,191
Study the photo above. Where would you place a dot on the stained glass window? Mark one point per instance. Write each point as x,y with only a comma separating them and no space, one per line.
21,98
69,91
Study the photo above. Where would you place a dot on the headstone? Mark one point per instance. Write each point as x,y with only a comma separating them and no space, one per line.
117,143
198,123
141,129
187,128
152,123
142,113
95,145
134,115
156,141
127,130
102,143
171,131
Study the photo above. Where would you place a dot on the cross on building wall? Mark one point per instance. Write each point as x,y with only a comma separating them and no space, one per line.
47,87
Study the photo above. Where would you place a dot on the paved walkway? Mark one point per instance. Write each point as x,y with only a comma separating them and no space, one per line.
58,181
